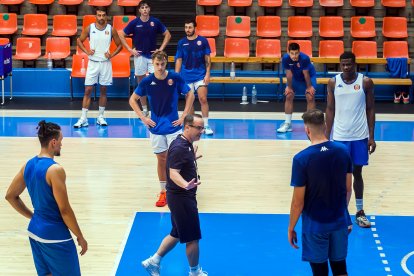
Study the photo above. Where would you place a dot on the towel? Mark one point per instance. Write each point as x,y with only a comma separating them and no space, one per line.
397,67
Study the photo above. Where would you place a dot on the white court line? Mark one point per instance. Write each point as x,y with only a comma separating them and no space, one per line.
124,241
404,263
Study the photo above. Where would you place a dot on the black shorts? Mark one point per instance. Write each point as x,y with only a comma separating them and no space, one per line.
184,217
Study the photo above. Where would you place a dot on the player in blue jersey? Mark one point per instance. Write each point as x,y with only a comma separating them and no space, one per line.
321,177
54,251
144,31
192,61
162,89
301,78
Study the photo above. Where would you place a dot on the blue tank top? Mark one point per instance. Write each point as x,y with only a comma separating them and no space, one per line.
47,222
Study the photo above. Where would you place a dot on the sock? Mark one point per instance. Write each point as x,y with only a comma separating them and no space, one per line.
194,268
359,204
205,119
84,113
288,118
156,259
101,110
144,108
163,184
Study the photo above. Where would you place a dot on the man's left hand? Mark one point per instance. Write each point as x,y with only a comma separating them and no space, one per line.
311,90
371,146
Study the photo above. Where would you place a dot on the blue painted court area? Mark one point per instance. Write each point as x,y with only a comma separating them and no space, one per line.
224,129
252,244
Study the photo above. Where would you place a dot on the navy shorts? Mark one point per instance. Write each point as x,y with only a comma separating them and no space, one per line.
318,248
299,87
184,217
358,150
55,258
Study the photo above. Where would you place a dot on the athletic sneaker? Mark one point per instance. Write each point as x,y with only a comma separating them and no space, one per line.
199,272
208,130
406,98
362,220
397,97
101,121
82,122
162,200
285,127
150,267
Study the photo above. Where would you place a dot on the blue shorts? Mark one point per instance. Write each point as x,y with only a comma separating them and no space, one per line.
358,150
299,87
318,248
58,259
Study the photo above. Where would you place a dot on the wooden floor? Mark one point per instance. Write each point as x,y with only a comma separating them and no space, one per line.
111,179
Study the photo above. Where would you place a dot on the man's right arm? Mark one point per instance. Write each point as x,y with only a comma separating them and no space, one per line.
178,63
289,76
81,39
133,102
56,177
330,107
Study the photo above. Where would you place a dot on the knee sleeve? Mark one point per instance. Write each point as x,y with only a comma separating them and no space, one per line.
338,268
320,269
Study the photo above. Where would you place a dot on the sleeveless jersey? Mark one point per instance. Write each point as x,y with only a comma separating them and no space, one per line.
100,41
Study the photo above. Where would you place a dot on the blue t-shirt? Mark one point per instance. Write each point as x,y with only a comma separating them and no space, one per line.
144,34
47,222
181,157
163,98
192,53
322,169
297,67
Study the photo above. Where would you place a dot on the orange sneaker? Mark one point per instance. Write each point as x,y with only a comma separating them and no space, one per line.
162,200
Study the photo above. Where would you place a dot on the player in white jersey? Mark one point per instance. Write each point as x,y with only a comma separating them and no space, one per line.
99,69
350,111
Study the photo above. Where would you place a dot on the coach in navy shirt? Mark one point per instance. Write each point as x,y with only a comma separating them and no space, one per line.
321,177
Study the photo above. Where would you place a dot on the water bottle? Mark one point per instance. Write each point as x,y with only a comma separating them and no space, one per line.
244,96
254,95
49,61
232,71
83,66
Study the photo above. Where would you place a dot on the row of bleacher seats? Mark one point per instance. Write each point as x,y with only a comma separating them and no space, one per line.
301,26
306,3
95,3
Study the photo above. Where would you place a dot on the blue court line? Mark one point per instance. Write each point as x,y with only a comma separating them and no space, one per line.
252,244
224,129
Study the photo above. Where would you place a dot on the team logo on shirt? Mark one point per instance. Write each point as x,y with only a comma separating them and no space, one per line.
199,43
152,24
357,87
340,85
170,82
324,148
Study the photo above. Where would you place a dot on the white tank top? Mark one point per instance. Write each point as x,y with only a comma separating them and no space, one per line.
100,40
350,121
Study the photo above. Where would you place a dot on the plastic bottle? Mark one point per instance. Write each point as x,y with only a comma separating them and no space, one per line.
244,96
83,66
49,61
232,71
254,95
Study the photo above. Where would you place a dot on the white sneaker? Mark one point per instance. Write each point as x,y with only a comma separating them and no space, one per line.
101,121
145,112
199,272
82,122
208,130
285,127
152,269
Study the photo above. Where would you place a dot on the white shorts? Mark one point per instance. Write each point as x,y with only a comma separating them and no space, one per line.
161,143
143,65
195,85
99,70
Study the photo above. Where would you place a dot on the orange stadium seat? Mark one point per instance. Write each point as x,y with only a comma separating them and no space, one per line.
112,48
121,66
236,47
11,2
301,3
239,3
41,2
209,2
395,49
268,48
35,24
59,47
70,2
362,3
88,20
208,25
99,3
393,3
65,25
128,3
119,22
4,40
27,48
363,26
331,26
305,46
331,48
394,27
270,3
331,3
299,26
268,26
238,26
364,49
77,71
87,46
8,23
212,44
